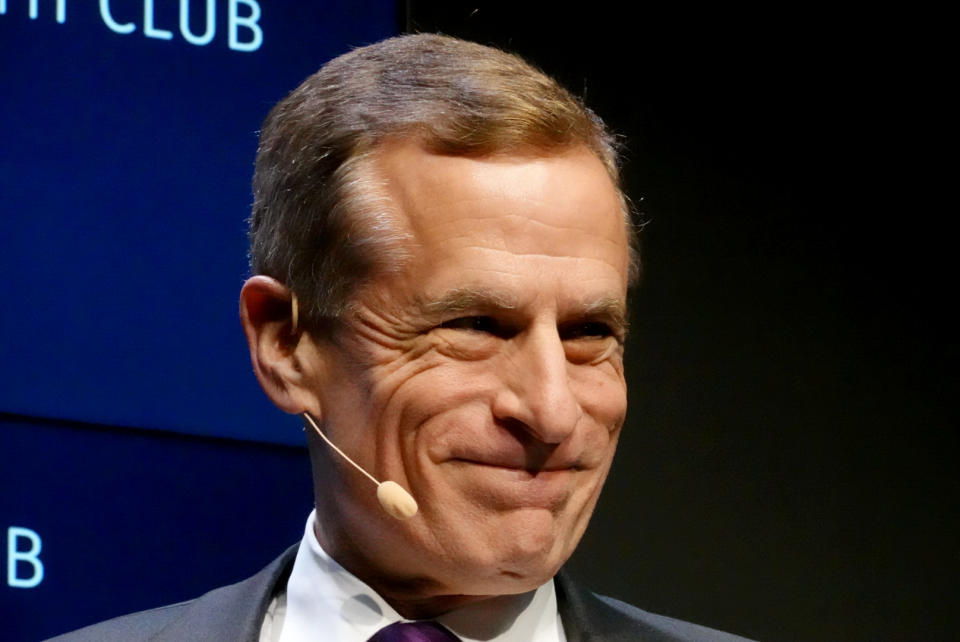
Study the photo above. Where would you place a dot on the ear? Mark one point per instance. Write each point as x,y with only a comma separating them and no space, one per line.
265,311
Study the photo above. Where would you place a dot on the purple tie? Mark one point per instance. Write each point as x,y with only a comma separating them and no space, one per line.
425,631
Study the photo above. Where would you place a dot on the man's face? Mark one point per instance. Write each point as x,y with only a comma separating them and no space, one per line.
485,376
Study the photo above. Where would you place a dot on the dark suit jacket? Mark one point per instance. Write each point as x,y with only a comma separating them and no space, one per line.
234,614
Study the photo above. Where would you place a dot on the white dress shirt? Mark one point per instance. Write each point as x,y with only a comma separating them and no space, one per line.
324,601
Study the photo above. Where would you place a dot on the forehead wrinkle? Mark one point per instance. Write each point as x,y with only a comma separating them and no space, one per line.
523,219
534,255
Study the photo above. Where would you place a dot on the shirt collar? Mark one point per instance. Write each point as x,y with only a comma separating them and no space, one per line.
323,597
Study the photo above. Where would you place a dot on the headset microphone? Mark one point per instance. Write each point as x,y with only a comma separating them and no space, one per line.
392,496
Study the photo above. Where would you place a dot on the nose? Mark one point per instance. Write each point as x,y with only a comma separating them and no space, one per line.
536,391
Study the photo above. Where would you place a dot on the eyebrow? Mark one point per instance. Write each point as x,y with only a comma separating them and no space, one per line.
467,299
460,300
614,310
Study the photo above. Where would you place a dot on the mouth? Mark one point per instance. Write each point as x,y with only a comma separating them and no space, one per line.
526,470
505,485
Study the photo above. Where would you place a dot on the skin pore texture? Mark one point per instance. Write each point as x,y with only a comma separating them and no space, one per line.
485,376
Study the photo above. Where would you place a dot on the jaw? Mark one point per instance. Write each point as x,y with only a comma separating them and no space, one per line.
424,583
420,595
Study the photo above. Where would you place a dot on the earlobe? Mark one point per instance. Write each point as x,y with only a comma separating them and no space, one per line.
272,337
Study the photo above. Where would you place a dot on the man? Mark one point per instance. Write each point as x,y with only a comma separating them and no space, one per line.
442,254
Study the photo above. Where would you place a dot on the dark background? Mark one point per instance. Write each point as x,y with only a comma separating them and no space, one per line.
786,471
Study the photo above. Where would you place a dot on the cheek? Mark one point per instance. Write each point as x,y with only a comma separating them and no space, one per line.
438,408
439,387
602,393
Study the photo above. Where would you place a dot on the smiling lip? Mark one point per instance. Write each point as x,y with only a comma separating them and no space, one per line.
518,469
505,486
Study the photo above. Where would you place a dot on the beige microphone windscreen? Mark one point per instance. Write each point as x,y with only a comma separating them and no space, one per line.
396,501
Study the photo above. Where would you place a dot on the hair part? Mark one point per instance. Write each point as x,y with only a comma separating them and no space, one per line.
320,221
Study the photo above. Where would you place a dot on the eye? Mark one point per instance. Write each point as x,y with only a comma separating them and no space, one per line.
477,324
591,342
586,330
485,324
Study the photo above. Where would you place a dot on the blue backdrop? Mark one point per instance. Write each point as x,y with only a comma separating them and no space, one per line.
124,173
125,163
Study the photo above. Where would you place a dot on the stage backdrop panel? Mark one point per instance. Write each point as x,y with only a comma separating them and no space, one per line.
98,522
130,129
142,464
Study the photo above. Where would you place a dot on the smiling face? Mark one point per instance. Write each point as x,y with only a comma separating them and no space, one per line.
486,377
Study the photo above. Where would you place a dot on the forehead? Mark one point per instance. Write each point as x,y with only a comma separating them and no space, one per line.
521,211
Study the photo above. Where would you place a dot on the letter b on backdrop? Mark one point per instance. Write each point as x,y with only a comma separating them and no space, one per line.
28,558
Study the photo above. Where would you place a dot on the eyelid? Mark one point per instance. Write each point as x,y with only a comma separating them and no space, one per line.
482,323
598,330
462,322
582,329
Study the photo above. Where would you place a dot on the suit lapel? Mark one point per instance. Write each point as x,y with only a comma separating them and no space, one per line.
587,618
233,613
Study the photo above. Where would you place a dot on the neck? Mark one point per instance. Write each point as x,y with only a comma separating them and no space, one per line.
413,597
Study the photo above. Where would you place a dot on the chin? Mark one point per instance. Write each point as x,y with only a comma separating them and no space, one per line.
504,581
521,557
